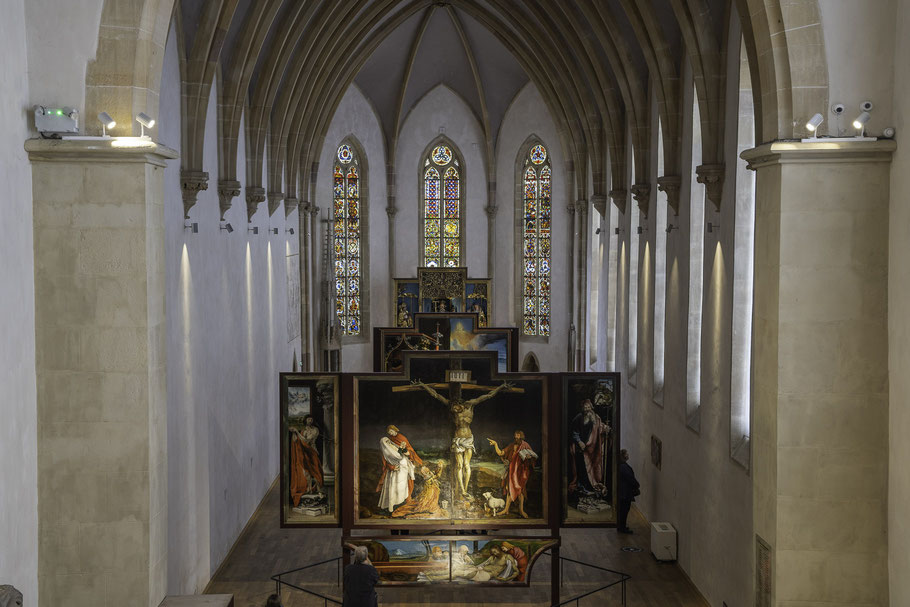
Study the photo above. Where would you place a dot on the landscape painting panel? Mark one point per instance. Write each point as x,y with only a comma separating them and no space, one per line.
309,453
590,447
433,448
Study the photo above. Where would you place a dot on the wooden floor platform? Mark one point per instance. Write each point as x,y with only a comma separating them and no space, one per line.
264,549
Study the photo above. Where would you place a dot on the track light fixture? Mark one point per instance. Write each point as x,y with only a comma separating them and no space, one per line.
145,121
814,123
106,123
227,227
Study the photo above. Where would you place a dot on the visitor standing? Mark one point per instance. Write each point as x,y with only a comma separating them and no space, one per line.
627,490
360,579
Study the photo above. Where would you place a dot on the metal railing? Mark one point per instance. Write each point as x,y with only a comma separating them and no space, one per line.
326,600
623,578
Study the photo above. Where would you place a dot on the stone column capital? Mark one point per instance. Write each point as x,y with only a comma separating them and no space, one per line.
670,185
712,177
391,211
581,206
227,191
254,196
618,196
191,183
641,192
570,208
314,210
274,199
491,210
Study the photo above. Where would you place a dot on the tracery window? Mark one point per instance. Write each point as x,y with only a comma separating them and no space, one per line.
442,213
536,242
347,240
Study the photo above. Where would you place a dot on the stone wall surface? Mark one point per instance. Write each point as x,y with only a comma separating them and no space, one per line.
18,416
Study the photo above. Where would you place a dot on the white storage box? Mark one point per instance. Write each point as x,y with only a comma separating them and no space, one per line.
663,541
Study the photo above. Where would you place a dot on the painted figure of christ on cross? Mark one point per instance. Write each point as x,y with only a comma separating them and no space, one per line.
462,412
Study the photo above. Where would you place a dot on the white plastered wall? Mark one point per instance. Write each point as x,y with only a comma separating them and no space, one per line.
699,489
18,405
227,341
527,116
355,118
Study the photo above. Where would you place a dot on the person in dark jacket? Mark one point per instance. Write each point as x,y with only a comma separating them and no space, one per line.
626,492
360,578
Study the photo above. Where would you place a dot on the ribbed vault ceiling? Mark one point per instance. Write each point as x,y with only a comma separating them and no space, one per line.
287,64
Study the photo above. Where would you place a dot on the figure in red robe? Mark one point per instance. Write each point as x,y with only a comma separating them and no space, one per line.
399,460
520,459
306,467
520,557
588,441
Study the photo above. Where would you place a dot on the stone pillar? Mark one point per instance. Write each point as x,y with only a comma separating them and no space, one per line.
100,329
820,366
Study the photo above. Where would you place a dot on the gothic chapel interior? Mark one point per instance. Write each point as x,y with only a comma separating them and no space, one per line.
703,196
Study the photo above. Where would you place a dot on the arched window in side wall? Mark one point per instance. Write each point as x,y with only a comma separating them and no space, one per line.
536,228
347,239
442,213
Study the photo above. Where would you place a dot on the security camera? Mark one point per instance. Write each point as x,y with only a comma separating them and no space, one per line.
865,106
838,109
888,132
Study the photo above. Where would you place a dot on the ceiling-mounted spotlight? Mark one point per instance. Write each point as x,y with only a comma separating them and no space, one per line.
290,231
273,231
254,229
145,121
194,227
106,123
814,122
713,226
227,227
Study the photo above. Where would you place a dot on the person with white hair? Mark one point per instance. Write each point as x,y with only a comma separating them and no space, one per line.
360,578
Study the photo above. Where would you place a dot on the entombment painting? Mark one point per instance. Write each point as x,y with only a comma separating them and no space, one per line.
450,442
309,453
415,560
591,447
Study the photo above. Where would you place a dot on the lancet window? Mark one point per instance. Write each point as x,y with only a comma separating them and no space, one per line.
536,243
347,239
443,221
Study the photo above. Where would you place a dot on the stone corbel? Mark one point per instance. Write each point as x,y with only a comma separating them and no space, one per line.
581,206
641,192
290,204
599,202
619,199
314,210
570,208
491,210
275,199
670,185
254,196
191,183
391,212
712,177
227,191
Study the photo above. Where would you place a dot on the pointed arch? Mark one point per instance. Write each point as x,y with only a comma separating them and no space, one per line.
442,205
533,230
350,238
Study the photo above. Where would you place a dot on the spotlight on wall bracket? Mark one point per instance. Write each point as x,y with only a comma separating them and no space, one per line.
618,231
671,227
273,231
597,231
106,123
642,229
713,226
290,231
227,227
813,124
254,230
860,123
194,227
145,122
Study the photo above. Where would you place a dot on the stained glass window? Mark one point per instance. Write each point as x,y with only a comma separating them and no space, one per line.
536,231
346,242
442,225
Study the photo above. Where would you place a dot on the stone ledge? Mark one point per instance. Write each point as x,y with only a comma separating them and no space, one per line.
821,151
199,600
99,149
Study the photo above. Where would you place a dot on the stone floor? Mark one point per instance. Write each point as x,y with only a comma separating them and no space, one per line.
265,549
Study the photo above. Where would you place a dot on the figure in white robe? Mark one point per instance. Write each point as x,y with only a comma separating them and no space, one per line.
398,471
